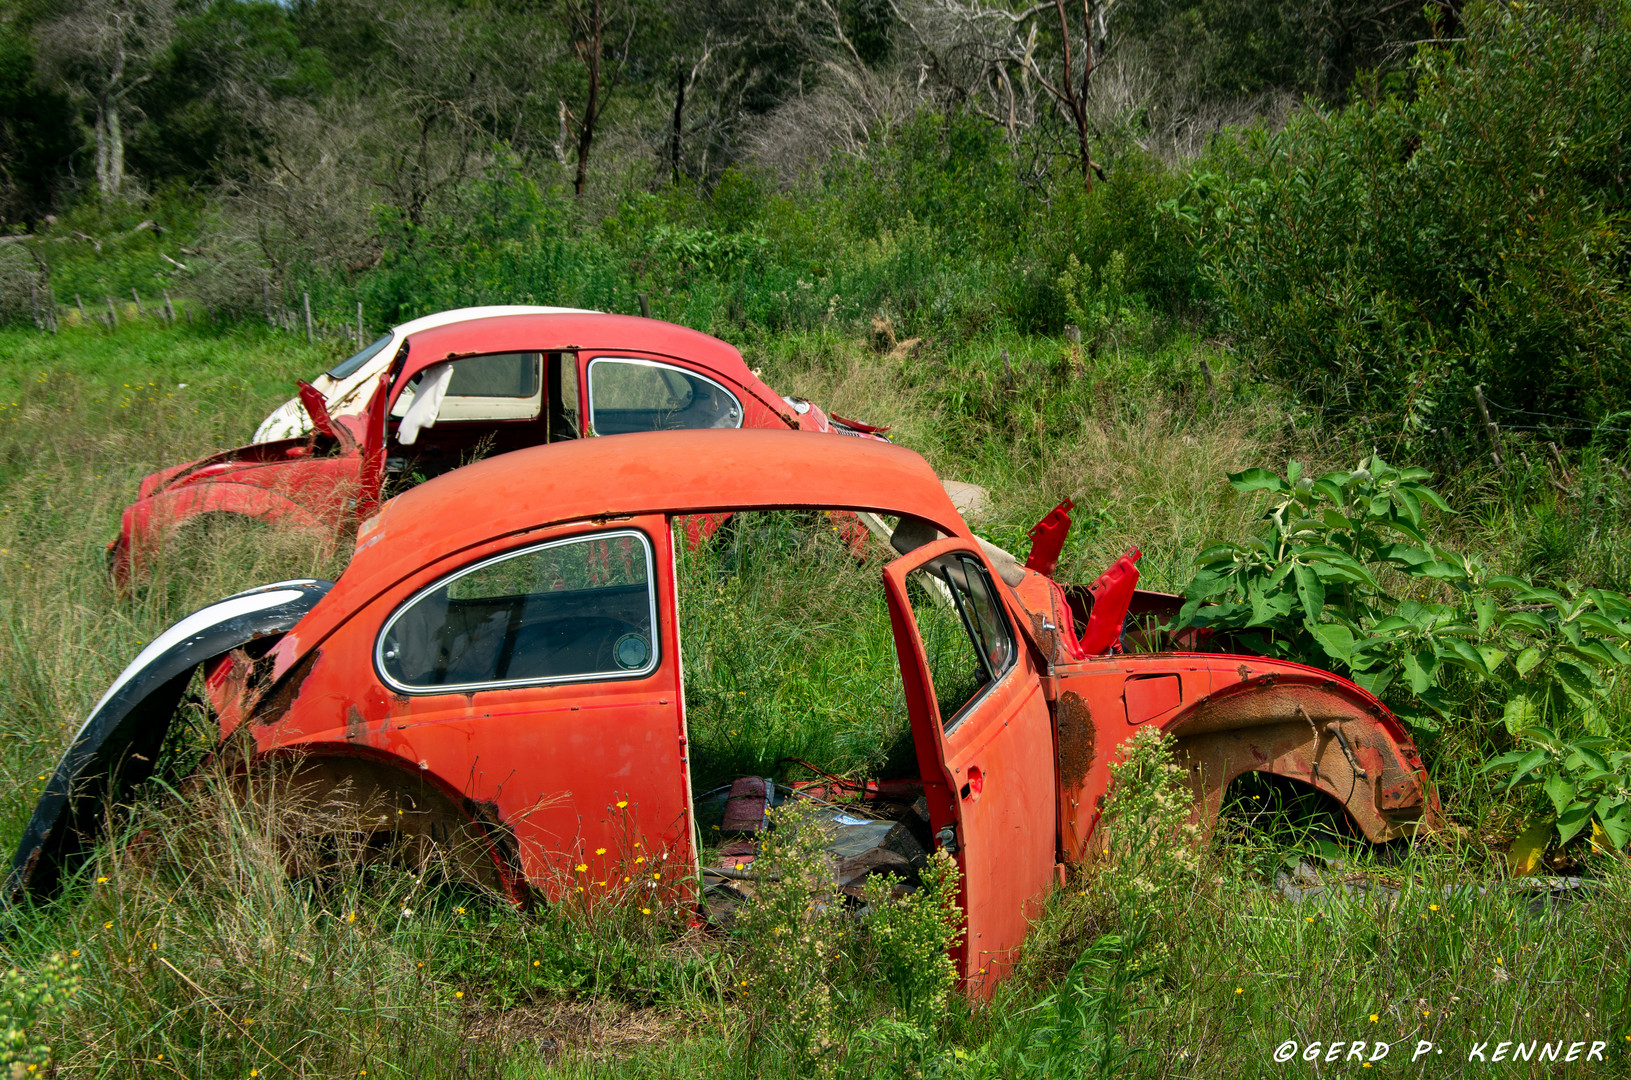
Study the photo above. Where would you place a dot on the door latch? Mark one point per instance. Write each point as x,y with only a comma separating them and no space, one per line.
947,839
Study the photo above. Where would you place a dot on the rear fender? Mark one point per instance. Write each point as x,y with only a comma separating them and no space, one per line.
323,776
117,747
1315,728
1230,715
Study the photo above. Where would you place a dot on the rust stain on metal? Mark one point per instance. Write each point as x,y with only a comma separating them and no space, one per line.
356,728
277,701
1075,740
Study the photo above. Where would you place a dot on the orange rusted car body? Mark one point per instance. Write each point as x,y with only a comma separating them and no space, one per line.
335,476
564,775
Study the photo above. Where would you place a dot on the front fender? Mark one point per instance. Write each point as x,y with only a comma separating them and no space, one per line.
118,745
147,524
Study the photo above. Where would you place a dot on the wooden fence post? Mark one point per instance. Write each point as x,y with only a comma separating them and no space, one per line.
136,296
1489,426
305,300
360,341
169,308
113,313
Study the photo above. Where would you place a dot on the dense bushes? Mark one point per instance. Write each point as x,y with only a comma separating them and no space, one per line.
1387,258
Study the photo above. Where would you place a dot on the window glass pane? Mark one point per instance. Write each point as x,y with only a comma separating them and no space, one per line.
964,633
353,363
512,375
568,610
989,625
627,396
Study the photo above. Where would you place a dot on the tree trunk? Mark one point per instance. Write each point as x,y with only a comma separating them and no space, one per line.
116,151
591,108
103,179
678,129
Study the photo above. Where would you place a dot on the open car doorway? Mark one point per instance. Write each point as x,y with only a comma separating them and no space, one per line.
892,693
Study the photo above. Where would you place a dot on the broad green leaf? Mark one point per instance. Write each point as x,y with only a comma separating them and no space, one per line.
1519,714
1484,605
1441,569
1419,666
1311,591
1526,661
1218,553
1406,499
1531,761
1594,652
1337,522
1337,640
1256,480
1560,790
1380,506
1614,815
1333,491
1294,471
1492,657
1577,678
1205,585
1527,620
1508,758
1585,755
1422,491
1375,683
1390,625
1506,581
1524,855
1572,820
1454,650
1598,623
1407,554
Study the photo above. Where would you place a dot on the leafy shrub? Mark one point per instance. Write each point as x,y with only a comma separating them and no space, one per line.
912,935
27,999
1386,258
794,927
1343,576
1585,783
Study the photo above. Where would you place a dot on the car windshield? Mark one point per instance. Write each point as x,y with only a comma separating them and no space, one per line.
351,364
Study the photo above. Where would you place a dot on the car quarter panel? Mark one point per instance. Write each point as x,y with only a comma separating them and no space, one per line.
1230,715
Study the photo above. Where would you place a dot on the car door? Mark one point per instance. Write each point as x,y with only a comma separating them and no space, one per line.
984,742
538,679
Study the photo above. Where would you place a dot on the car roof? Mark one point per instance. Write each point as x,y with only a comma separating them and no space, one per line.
618,476
594,331
443,318
572,330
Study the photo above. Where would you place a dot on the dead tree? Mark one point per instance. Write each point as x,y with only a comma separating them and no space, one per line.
591,23
1071,92
971,47
100,52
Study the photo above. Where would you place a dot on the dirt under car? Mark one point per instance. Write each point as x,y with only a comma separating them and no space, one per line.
502,654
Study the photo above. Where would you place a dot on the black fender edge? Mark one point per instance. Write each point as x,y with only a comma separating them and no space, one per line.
117,746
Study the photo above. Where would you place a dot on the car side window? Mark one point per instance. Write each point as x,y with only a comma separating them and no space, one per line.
642,395
580,608
499,386
965,634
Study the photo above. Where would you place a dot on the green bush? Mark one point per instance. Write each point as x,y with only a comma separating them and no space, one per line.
1386,258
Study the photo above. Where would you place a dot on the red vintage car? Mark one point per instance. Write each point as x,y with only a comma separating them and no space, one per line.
501,661
457,391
